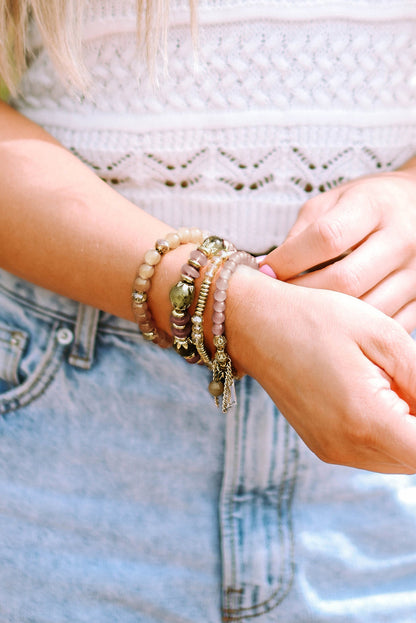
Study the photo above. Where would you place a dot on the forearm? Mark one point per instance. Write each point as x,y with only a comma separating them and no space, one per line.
66,230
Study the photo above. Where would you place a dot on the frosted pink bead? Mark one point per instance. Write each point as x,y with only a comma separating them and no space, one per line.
189,271
199,257
218,317
226,273
217,329
219,306
222,284
231,266
220,295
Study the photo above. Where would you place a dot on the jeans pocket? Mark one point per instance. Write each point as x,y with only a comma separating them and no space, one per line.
13,342
29,361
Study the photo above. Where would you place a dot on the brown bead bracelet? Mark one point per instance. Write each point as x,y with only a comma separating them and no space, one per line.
141,285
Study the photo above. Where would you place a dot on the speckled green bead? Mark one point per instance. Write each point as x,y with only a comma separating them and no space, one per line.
212,245
181,295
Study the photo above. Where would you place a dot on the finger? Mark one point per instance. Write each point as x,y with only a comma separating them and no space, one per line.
350,221
391,431
312,210
393,293
359,271
390,348
406,316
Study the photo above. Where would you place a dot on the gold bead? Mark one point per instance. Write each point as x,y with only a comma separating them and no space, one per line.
162,246
216,388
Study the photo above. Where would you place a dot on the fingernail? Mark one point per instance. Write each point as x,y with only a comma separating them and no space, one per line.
268,270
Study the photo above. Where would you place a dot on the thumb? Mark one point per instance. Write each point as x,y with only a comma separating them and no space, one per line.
394,351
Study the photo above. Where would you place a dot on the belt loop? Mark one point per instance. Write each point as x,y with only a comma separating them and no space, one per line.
82,351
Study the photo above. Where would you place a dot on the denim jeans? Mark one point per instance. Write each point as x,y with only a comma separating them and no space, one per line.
125,496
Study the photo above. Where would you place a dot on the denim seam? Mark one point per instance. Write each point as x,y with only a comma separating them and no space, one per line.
287,492
239,614
38,382
85,333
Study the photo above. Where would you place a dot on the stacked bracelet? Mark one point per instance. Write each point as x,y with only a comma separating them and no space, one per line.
183,293
197,319
141,284
223,375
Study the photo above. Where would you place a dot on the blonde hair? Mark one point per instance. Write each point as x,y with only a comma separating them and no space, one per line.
59,23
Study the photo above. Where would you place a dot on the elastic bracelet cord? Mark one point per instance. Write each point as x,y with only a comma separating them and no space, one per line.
141,285
223,374
182,295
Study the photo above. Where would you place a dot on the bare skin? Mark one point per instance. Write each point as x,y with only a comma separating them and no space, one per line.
369,222
342,372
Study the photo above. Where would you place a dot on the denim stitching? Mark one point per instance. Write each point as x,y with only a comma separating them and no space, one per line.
38,381
238,614
285,493
40,312
85,333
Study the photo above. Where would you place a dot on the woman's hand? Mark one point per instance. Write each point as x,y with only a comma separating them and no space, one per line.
370,226
342,373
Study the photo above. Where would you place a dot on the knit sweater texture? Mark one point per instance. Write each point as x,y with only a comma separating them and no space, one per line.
280,100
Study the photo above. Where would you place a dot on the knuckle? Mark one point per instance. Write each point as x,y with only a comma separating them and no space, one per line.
330,236
346,281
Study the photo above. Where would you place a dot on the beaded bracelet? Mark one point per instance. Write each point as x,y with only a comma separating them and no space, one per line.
197,319
223,375
141,285
182,295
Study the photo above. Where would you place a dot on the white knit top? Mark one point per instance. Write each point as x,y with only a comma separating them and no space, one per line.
288,98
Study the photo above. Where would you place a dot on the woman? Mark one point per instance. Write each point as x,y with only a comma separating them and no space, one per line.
113,458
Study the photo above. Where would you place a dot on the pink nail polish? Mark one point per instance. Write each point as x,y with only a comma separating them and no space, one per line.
268,270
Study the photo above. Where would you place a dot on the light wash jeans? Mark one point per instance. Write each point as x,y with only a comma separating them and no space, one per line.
126,497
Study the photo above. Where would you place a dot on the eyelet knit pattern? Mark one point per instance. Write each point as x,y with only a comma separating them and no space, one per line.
282,101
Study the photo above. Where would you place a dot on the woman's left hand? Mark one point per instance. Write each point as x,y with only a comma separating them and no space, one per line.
359,239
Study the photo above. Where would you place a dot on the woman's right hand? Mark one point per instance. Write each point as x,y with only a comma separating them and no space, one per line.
340,371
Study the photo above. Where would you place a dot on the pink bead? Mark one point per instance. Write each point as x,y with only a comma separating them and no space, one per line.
220,295
199,257
189,271
182,332
218,317
181,322
226,273
222,284
217,329
219,306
